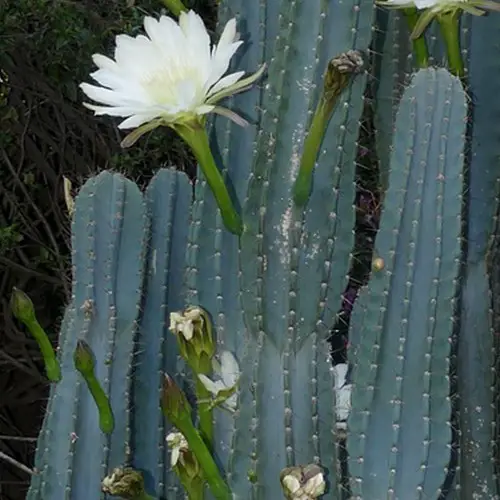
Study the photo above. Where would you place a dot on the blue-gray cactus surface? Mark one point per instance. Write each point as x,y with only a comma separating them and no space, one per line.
421,350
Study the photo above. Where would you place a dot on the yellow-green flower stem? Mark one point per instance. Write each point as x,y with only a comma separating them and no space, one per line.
196,136
419,44
24,311
84,363
203,396
337,77
312,144
218,486
450,29
175,6
194,486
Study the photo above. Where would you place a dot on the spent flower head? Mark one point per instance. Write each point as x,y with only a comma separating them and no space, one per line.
224,388
303,482
171,75
125,483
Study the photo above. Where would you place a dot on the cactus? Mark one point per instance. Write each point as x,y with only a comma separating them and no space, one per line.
421,351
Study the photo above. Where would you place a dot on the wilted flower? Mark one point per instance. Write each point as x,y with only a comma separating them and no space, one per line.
224,388
126,483
303,482
178,444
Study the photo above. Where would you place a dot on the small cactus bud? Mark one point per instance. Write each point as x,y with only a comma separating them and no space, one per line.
174,403
21,306
83,357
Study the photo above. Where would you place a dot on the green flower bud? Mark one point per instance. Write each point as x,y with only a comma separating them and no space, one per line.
174,403
83,358
21,306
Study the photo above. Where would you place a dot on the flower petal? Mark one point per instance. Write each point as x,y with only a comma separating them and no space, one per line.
174,457
210,385
230,370
225,82
137,120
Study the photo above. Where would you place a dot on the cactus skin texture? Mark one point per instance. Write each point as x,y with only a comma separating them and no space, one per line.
168,201
291,267
108,255
273,294
476,372
399,429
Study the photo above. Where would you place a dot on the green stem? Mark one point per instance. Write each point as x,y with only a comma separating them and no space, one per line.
175,6
419,45
49,357
194,487
106,420
219,488
205,413
312,144
196,136
450,30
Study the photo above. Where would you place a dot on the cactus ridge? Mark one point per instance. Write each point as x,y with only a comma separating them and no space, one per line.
109,217
400,365
168,200
476,373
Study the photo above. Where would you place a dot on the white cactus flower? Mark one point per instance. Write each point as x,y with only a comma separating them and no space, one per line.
170,76
178,444
184,323
229,374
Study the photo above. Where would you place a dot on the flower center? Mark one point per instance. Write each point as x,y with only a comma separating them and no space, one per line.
177,88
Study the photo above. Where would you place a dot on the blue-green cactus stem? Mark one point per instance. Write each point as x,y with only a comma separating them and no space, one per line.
168,200
476,377
399,428
108,242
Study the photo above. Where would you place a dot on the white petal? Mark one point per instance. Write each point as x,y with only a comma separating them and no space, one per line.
204,109
232,402
225,82
174,457
187,330
291,483
210,385
104,62
425,4
107,96
230,370
229,34
136,120
220,63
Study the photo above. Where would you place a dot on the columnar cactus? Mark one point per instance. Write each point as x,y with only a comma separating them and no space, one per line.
417,417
